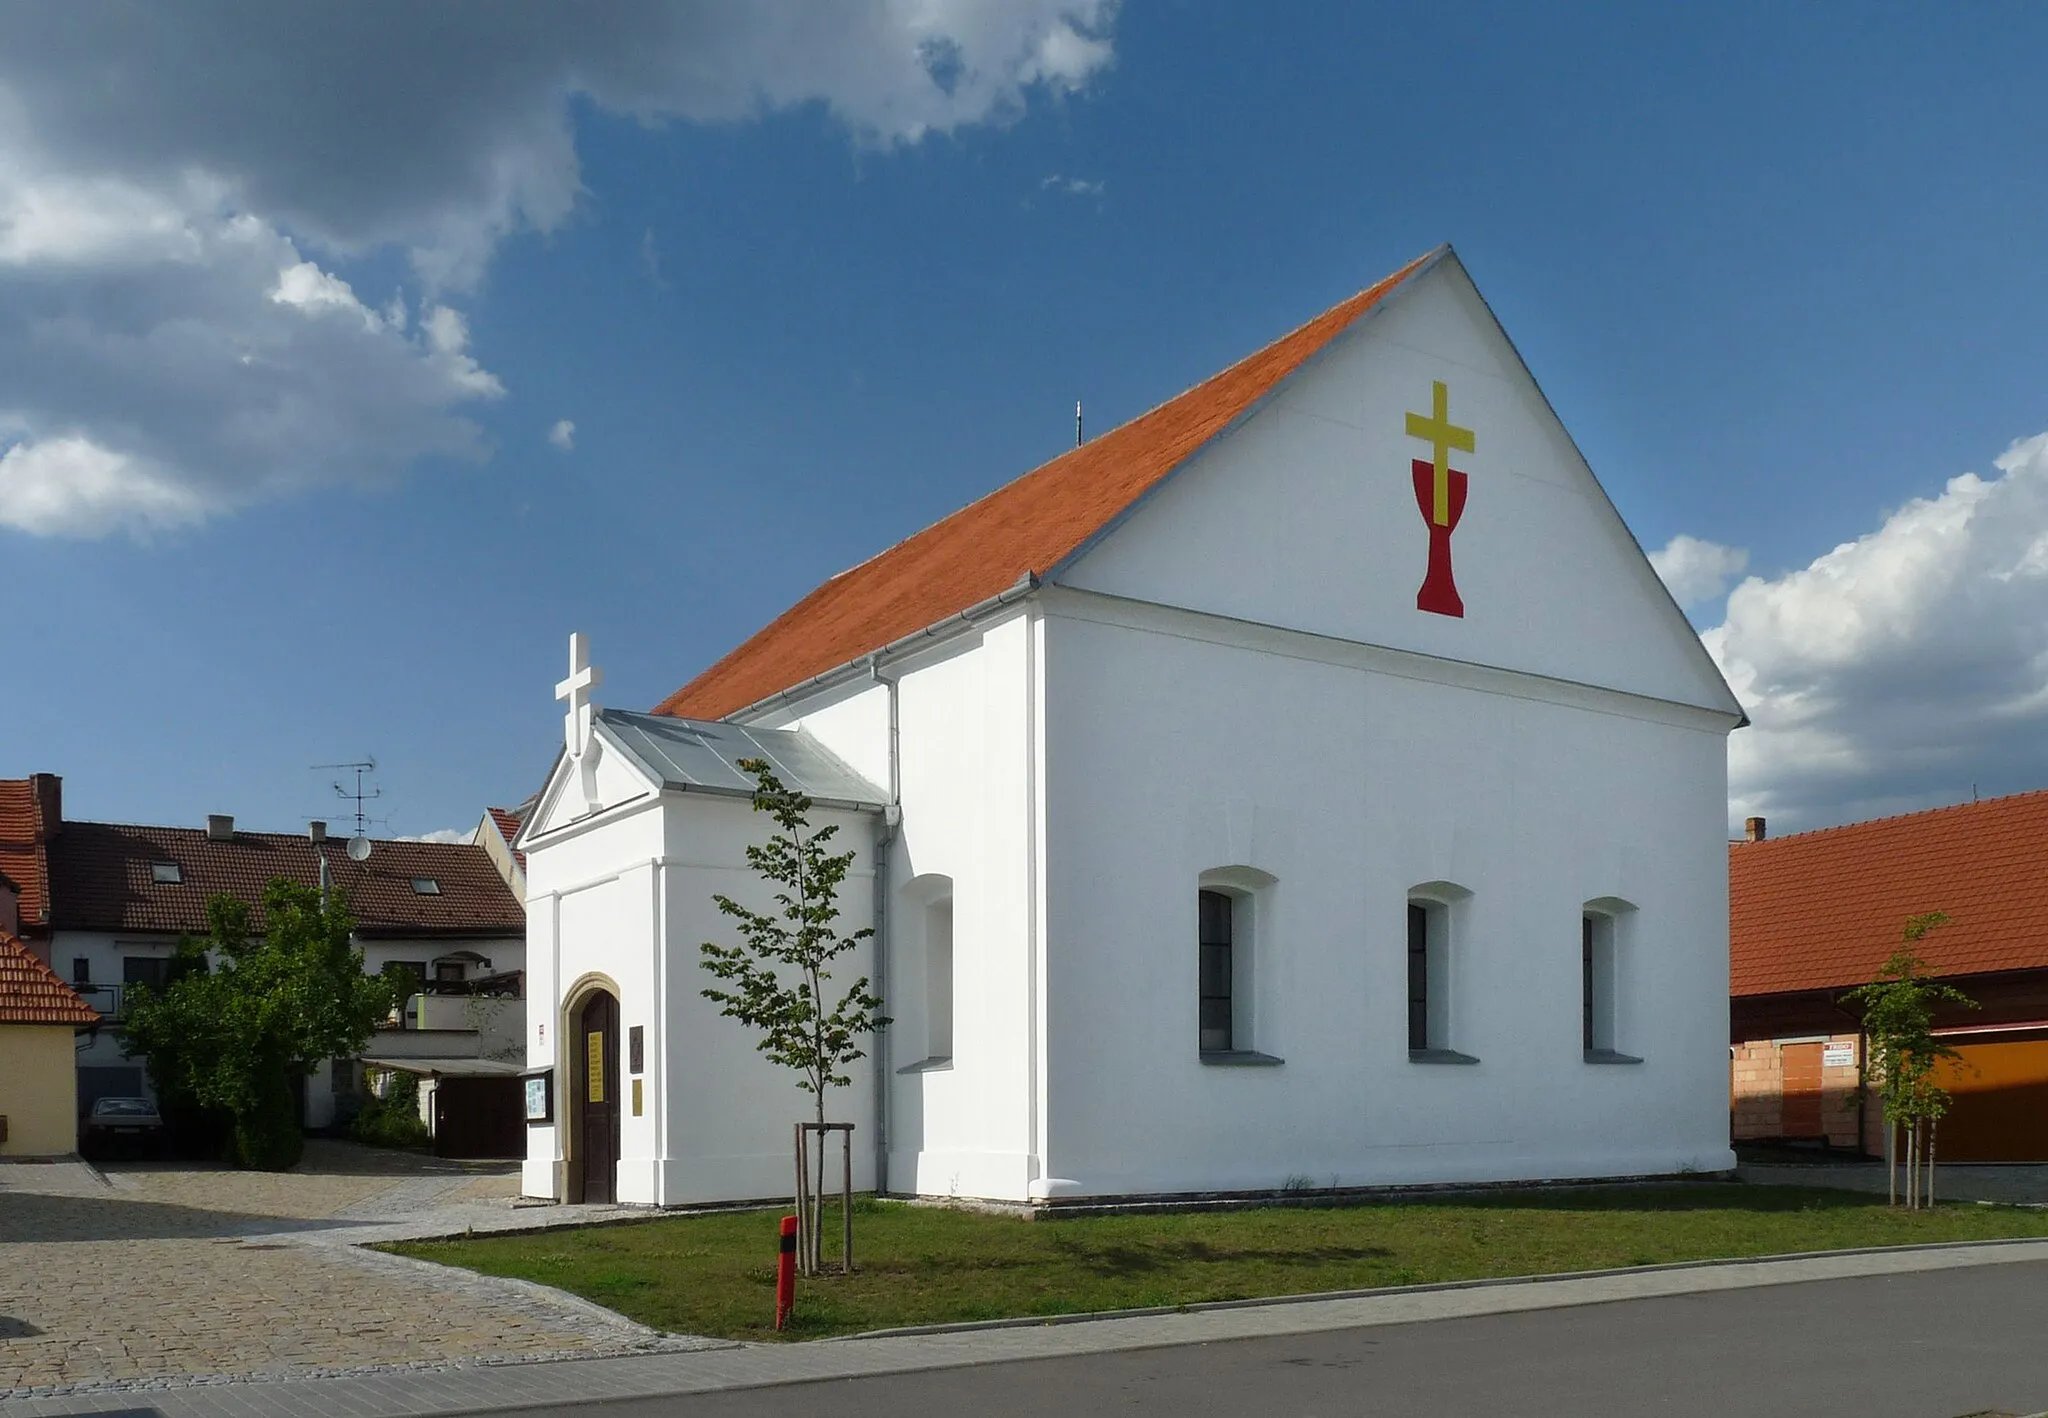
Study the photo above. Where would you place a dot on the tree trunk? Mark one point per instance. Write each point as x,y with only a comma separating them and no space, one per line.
818,1196
1933,1127
1891,1163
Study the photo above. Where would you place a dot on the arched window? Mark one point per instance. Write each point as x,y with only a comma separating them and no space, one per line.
1436,917
1605,925
922,989
1233,921
938,979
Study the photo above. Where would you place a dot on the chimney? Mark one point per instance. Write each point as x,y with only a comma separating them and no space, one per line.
1752,829
317,831
220,827
48,791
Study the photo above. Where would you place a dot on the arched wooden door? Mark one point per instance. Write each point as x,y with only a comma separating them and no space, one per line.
597,1096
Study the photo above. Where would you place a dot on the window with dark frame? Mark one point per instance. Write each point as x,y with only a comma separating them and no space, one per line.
448,972
151,970
1418,978
81,970
1586,982
1217,908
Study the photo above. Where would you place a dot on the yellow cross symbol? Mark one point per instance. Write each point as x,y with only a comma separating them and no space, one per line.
1443,436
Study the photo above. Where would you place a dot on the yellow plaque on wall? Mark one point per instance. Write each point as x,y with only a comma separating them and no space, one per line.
636,1097
594,1069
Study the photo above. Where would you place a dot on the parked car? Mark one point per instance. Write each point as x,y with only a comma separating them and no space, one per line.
122,1125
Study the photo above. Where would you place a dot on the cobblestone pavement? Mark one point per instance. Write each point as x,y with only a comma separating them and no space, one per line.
2017,1184
170,1273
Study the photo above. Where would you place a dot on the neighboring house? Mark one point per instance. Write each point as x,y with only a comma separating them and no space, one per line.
1812,916
495,833
39,1017
30,808
1226,819
121,896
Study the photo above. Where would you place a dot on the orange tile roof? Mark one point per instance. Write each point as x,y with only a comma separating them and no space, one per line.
21,850
32,993
507,821
1822,910
1026,527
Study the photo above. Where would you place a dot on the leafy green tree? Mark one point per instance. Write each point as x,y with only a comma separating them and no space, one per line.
779,973
231,1034
1898,1020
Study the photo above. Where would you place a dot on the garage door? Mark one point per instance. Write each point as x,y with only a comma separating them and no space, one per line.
1999,1111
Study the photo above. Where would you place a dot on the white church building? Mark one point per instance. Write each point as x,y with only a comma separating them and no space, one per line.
1310,779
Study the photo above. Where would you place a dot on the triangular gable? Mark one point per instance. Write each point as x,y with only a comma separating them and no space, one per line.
1013,535
1317,513
607,777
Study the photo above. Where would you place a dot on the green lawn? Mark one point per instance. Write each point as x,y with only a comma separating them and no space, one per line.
919,1265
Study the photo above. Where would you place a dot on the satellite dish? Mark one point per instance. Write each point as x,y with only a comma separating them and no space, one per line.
359,848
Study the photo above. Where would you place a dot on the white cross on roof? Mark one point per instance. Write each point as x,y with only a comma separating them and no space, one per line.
583,678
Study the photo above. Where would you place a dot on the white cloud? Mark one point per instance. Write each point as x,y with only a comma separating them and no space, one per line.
72,486
444,834
650,259
1901,669
183,193
1073,186
563,435
1697,571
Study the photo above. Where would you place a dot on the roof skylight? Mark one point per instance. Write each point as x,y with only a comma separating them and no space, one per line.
165,873
425,886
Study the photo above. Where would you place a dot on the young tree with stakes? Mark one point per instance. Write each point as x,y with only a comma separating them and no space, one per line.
779,973
1898,1020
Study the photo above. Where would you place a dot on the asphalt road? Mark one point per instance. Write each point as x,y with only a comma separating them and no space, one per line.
1930,1345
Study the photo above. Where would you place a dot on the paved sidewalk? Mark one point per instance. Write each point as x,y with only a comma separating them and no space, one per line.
485,1388
160,1274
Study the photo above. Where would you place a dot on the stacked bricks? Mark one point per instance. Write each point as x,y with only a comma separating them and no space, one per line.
1757,1091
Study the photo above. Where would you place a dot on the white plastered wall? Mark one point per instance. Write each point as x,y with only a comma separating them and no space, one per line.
969,826
623,902
1349,786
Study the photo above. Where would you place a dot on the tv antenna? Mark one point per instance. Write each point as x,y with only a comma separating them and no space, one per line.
358,845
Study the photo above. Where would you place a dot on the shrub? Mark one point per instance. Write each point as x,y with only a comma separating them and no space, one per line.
267,1136
392,1120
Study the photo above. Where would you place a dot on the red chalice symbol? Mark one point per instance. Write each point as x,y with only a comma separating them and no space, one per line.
1440,495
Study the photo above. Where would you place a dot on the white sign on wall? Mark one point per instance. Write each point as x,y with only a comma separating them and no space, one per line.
1838,1056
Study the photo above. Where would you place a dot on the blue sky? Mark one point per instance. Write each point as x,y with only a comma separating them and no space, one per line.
802,293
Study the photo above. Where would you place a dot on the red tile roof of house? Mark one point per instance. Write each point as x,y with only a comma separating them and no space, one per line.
1822,910
22,830
508,820
32,993
1026,527
101,879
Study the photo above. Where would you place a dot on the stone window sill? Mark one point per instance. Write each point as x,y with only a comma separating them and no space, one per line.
1609,1056
1439,1056
939,1063
1239,1058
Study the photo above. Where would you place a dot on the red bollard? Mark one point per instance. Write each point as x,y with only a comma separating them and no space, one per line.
785,1273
